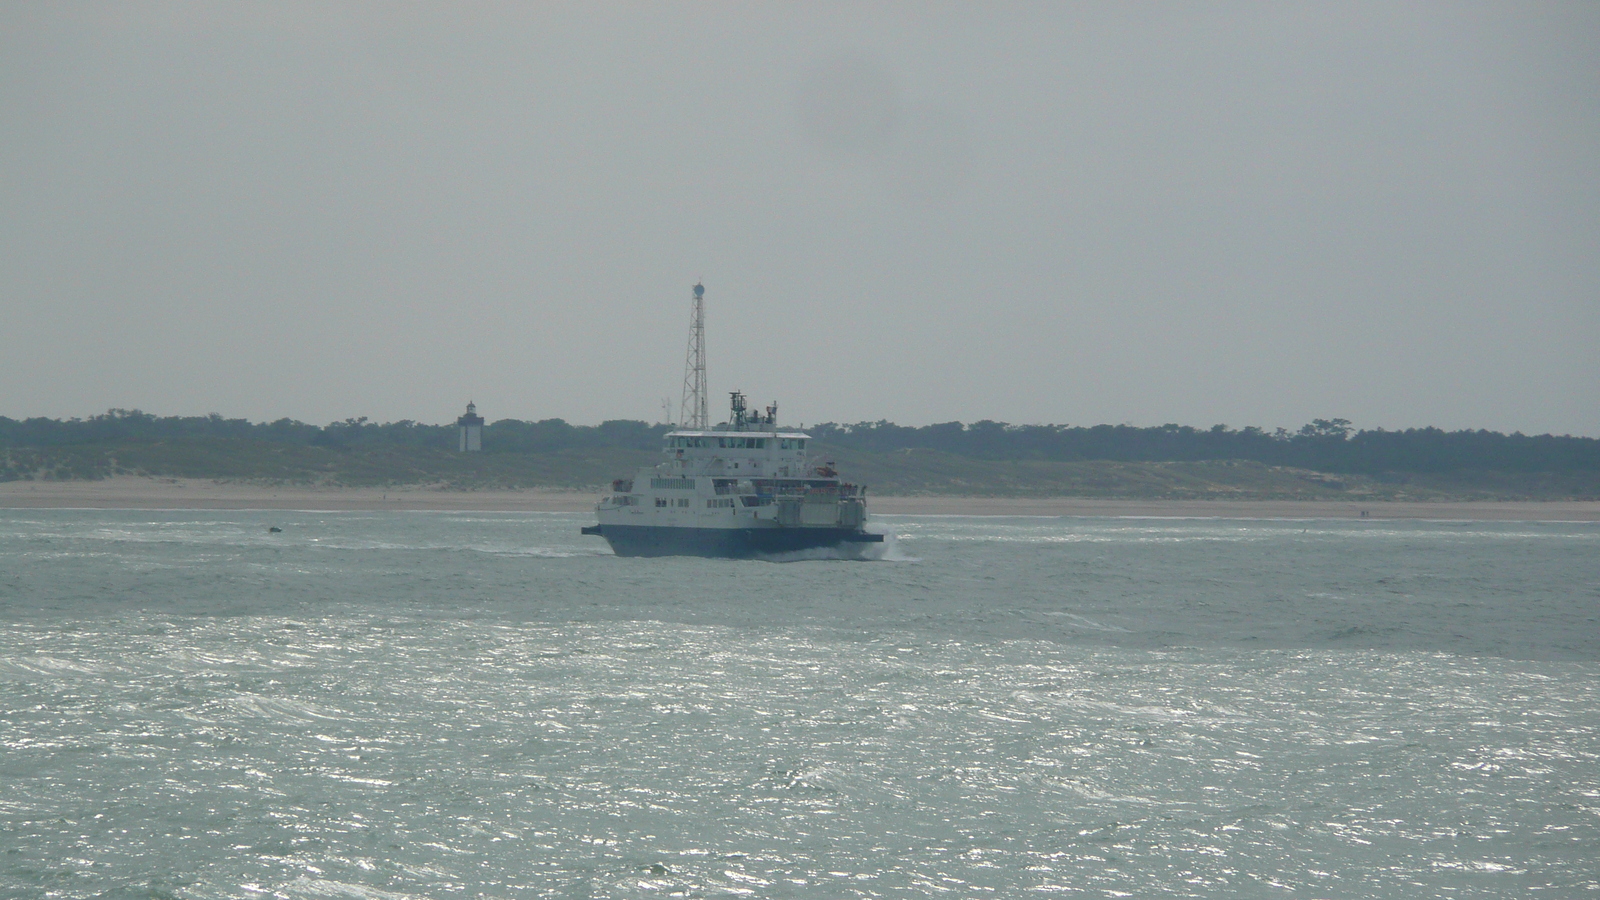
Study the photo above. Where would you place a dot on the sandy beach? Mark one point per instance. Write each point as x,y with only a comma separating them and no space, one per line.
132,492
151,493
1558,511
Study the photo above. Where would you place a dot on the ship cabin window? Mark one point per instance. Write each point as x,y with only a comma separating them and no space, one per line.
661,501
791,444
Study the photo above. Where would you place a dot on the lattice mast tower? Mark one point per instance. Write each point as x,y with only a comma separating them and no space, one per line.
694,411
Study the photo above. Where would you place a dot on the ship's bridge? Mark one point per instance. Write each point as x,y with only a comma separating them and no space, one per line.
747,452
744,442
748,443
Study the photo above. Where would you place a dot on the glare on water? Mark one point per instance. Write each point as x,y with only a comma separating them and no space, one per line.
417,705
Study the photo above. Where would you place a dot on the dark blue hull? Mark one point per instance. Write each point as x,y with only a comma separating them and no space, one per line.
730,543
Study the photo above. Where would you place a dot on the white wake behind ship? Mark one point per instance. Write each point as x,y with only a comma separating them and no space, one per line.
744,488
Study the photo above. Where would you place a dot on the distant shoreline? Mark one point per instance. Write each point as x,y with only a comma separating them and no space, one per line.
135,492
131,492
1499,510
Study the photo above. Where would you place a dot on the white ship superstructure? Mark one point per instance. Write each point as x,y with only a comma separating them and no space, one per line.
742,488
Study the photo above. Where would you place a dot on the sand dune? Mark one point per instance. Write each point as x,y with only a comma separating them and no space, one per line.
128,492
133,492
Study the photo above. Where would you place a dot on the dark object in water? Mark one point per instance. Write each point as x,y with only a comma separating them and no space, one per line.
274,530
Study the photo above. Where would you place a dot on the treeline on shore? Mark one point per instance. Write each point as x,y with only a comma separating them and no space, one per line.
555,453
1326,445
353,452
123,426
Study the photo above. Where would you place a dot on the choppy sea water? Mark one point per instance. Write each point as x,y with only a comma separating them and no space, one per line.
397,705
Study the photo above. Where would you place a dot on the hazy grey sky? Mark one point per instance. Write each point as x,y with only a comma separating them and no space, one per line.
1056,212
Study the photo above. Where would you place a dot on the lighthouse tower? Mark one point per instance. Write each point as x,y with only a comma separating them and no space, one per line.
471,426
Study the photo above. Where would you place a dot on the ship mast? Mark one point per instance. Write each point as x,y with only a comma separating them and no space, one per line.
693,412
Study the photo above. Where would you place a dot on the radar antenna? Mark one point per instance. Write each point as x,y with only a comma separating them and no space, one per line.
693,411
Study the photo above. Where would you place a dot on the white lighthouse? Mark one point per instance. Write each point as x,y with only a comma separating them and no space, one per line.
471,426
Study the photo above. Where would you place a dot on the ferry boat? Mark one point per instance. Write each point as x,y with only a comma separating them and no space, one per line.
742,489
